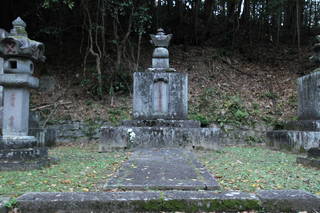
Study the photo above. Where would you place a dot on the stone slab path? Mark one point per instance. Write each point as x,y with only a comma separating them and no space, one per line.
162,169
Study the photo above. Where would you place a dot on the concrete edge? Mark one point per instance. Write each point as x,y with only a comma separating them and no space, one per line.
169,201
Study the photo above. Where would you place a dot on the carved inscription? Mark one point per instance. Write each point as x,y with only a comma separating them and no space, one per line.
13,99
160,96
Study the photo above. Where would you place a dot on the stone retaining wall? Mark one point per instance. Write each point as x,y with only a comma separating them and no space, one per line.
77,131
232,135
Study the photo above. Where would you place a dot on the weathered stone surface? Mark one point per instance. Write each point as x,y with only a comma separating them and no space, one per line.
303,125
44,136
289,201
309,97
312,162
17,142
150,201
295,141
160,95
162,169
23,154
24,165
162,123
15,112
16,80
234,135
143,137
75,131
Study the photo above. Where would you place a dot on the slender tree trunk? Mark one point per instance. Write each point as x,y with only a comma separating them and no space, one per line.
196,9
298,15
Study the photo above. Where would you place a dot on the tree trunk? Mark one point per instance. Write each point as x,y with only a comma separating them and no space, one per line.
196,9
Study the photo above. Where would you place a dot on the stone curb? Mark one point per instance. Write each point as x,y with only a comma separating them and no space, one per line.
169,201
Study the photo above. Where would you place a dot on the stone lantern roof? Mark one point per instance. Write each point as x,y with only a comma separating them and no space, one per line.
17,43
160,39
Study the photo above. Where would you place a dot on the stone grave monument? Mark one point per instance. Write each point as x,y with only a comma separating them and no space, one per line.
303,134
160,109
18,150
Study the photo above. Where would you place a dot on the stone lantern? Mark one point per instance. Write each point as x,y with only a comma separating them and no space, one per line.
17,149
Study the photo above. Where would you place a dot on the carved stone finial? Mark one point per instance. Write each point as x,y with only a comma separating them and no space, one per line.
19,27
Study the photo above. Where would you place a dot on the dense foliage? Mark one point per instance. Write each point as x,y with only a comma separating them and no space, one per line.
110,32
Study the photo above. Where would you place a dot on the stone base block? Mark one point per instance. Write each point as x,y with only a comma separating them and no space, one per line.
24,165
124,137
23,154
309,162
162,123
294,141
17,142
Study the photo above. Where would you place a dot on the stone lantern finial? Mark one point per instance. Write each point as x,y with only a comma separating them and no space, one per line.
19,28
17,43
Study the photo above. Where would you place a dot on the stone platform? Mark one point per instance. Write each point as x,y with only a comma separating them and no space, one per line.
162,169
22,153
184,134
294,141
169,201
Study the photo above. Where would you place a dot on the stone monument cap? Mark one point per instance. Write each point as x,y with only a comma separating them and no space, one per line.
160,39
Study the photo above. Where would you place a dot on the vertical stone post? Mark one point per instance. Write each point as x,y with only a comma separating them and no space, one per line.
19,52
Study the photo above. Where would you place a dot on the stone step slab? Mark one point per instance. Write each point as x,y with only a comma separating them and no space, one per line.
168,201
162,169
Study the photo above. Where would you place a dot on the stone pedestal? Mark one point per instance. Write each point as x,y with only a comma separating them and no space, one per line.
159,133
160,95
303,134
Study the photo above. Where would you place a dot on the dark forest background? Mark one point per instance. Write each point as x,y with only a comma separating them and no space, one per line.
111,34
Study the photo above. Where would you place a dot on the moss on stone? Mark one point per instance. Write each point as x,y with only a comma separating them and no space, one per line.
207,205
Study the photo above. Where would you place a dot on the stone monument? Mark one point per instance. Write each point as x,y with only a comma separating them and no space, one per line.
160,109
18,150
304,133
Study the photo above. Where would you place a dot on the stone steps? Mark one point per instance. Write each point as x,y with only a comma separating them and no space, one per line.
168,201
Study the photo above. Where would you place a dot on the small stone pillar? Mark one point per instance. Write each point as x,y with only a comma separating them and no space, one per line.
16,147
